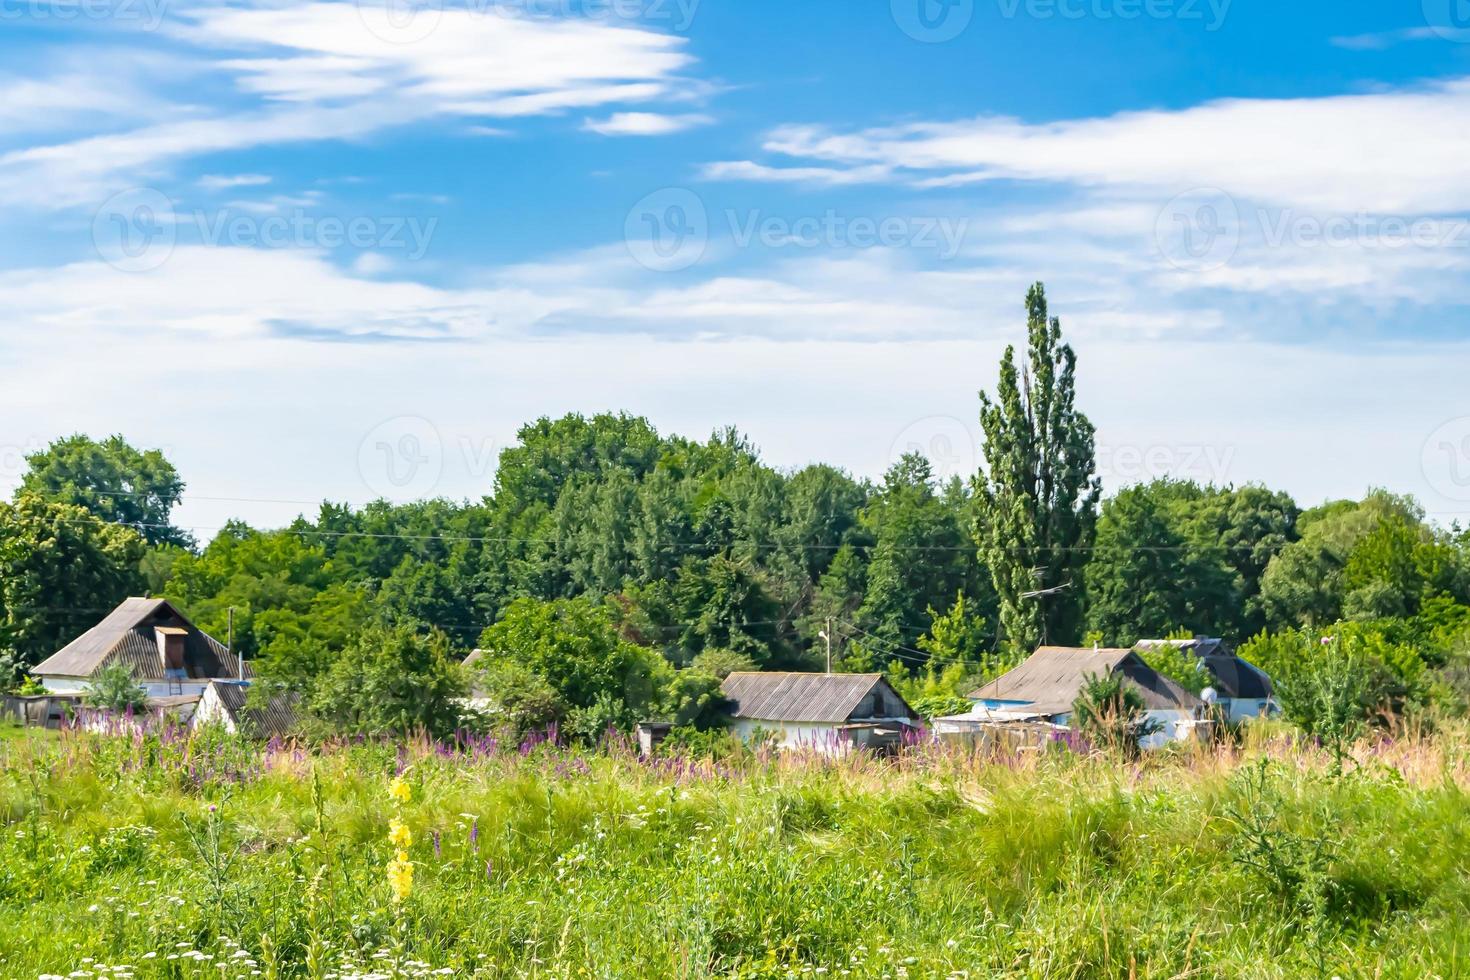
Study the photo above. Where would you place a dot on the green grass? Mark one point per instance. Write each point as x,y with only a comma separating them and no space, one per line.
567,864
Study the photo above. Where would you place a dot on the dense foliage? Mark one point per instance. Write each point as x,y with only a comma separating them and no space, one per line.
613,571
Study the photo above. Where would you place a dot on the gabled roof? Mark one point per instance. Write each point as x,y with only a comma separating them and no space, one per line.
126,635
1052,678
1230,675
797,697
1237,678
276,716
1200,646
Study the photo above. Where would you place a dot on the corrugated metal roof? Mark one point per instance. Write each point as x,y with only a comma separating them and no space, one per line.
126,635
796,697
1052,677
276,716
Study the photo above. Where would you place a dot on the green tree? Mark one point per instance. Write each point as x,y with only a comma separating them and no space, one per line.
1151,573
113,480
919,559
1037,495
574,646
1308,583
61,569
393,681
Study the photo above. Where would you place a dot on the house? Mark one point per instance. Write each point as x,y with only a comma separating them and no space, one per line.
224,703
826,712
170,658
1238,689
1044,687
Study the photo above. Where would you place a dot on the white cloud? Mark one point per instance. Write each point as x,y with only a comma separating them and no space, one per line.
215,182
644,124
1387,39
1395,151
318,71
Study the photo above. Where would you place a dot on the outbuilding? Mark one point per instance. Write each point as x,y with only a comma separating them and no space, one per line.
829,713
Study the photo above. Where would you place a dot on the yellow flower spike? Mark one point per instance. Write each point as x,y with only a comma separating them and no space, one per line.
400,876
398,834
400,790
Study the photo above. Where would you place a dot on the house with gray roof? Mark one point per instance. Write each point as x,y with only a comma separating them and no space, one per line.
169,657
1044,687
1238,689
828,713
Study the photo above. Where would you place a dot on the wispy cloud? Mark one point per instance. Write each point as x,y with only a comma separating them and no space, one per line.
326,71
645,123
216,182
1386,39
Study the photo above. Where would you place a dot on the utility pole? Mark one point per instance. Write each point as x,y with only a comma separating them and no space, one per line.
826,634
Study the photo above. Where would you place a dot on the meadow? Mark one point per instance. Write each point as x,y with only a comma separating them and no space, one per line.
166,855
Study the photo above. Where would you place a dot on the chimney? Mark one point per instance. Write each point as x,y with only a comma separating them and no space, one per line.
170,641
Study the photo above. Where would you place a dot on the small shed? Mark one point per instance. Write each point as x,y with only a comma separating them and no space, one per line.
830,713
227,704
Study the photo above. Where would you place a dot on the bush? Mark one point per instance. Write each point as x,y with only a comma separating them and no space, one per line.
113,689
1112,715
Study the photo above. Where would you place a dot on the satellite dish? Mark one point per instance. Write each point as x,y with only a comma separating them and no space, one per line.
1209,695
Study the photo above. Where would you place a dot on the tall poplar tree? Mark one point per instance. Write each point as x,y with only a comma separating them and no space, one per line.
1037,494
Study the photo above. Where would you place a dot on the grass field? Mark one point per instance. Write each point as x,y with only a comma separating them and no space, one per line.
169,856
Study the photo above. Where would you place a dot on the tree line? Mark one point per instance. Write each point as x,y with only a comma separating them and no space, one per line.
614,571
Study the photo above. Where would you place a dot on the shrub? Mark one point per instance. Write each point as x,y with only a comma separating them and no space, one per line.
113,689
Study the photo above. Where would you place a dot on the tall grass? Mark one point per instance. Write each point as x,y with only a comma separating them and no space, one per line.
548,861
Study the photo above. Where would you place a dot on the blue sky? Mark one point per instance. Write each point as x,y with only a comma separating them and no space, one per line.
341,249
